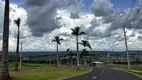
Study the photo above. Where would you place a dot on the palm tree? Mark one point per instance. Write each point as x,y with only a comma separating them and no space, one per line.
76,32
85,44
17,22
57,39
5,72
68,50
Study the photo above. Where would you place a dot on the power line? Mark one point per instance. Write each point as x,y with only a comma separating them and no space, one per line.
137,26
138,10
140,19
132,5
125,23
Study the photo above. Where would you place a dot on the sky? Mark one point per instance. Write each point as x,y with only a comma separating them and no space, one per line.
118,4
102,20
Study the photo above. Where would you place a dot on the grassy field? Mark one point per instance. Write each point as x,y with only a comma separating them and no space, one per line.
135,72
134,69
43,72
12,65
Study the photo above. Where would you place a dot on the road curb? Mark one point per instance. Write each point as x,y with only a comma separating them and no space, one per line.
126,72
76,75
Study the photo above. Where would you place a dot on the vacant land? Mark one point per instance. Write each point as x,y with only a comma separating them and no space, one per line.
43,72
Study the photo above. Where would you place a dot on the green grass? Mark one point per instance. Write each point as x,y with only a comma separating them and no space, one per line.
44,72
134,69
131,71
137,68
12,65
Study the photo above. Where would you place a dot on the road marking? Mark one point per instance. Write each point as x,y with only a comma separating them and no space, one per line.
95,77
102,72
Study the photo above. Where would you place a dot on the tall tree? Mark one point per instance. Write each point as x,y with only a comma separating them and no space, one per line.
17,22
58,40
5,72
85,44
76,32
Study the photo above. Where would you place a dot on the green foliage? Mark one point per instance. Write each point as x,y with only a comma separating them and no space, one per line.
57,39
85,43
76,31
84,53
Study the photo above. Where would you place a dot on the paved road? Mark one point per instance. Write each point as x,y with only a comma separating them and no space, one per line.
105,74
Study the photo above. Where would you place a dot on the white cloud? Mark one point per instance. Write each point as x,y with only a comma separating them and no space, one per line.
102,7
97,28
1,15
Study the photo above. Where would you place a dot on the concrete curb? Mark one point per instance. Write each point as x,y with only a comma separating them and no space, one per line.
126,72
76,75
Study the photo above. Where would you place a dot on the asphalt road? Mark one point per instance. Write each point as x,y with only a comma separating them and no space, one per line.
105,74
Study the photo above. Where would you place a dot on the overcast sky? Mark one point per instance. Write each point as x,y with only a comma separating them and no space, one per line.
44,19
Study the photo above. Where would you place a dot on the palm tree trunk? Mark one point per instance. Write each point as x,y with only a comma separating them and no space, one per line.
21,56
85,63
67,59
78,65
17,52
71,61
5,72
57,57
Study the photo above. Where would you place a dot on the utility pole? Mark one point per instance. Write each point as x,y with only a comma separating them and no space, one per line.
21,56
128,61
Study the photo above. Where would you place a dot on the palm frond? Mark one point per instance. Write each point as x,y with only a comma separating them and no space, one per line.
73,30
59,42
61,39
89,46
82,33
53,40
80,43
57,39
85,43
17,22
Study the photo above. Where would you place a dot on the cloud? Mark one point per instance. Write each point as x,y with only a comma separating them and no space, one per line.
140,37
41,22
42,14
119,19
1,15
94,23
133,35
94,30
140,32
1,37
74,15
102,7
109,18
